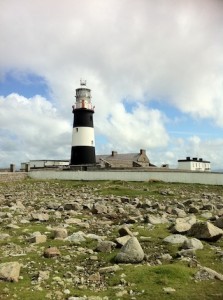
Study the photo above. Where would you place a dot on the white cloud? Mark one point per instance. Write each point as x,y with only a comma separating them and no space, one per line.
142,128
32,128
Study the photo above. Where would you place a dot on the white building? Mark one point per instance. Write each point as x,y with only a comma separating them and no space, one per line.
45,163
194,164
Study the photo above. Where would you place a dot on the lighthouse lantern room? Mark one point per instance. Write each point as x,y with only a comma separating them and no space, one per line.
83,143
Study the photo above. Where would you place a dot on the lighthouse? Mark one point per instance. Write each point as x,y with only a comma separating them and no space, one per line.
83,143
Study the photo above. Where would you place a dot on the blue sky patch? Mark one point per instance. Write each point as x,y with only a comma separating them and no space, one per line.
27,85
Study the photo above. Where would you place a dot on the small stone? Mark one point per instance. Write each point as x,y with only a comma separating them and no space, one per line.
105,246
60,233
38,239
51,252
94,277
40,217
109,269
169,290
43,275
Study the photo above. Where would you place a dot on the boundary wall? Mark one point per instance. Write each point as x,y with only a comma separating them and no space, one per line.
166,176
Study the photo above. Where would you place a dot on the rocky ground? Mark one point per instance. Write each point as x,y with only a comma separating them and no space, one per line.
110,240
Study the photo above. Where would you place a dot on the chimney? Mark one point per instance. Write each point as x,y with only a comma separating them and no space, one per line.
142,151
114,153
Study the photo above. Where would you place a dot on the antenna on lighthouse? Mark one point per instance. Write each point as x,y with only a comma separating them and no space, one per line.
83,82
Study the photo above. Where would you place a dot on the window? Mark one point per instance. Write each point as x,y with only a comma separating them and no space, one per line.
76,129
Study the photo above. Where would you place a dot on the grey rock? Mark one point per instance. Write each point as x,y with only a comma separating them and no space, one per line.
219,222
38,239
179,212
182,225
124,230
53,205
187,253
51,252
207,215
77,237
39,217
193,209
131,252
192,243
121,241
175,239
206,231
169,290
4,236
154,220
60,233
109,269
43,275
207,274
99,209
10,271
105,246
72,206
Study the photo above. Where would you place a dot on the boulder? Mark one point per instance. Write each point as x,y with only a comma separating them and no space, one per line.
121,241
182,225
131,252
175,239
206,231
192,243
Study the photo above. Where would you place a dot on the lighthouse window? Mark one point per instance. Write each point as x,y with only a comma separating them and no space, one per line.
76,129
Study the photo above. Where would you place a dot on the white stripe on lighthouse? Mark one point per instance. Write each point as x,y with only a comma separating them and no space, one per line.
83,136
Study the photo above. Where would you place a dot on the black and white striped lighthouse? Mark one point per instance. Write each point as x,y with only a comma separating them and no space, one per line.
83,144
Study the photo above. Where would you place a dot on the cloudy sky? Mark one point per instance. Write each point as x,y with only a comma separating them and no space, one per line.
155,69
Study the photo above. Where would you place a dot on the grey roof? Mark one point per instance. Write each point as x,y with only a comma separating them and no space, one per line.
121,157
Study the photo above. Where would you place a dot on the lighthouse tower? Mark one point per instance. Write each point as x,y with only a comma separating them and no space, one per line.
83,144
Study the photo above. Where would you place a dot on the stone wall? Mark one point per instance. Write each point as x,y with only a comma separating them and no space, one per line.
12,176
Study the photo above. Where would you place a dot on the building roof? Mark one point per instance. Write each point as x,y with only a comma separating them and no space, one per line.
124,160
125,156
194,159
